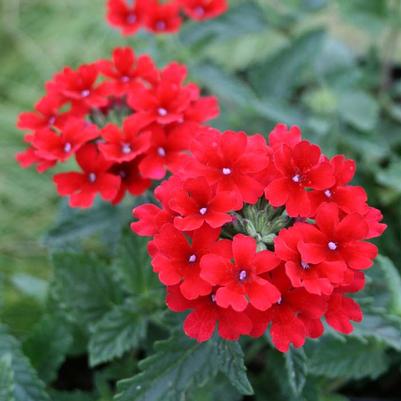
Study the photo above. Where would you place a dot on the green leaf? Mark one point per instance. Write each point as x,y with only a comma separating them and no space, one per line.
384,329
359,109
6,378
86,285
281,72
178,364
349,358
391,176
393,280
21,378
47,346
132,265
75,224
296,364
231,363
117,332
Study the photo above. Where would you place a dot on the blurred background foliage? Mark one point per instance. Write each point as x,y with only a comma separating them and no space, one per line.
331,66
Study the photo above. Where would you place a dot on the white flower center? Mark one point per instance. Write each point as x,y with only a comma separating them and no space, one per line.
203,210
305,265
243,275
227,171
162,112
328,193
85,93
332,246
296,178
126,148
67,147
161,152
125,79
92,177
192,259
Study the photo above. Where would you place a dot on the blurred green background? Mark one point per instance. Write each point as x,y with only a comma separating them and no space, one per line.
331,66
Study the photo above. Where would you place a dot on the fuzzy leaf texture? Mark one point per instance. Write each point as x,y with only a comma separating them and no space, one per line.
296,365
85,284
178,364
117,332
16,373
334,357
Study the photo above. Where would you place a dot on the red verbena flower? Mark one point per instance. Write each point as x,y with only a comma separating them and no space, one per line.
94,178
248,239
242,282
298,169
205,315
197,203
128,16
200,10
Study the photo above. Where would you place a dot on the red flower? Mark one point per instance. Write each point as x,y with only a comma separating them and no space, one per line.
152,218
165,151
241,282
131,180
52,146
29,157
230,161
125,71
281,135
203,109
373,217
163,18
204,9
196,203
341,311
320,278
298,169
165,104
338,239
296,316
79,87
129,18
348,198
126,144
46,114
177,259
95,178
206,314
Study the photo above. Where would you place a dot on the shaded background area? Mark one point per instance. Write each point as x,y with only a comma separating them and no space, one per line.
333,67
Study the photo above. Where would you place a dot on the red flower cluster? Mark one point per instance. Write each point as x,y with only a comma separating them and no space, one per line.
125,121
253,235
131,15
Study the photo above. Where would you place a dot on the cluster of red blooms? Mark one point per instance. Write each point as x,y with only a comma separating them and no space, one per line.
252,235
131,15
125,121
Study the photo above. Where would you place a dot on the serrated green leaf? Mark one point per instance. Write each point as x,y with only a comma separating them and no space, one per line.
117,332
47,346
385,329
75,224
132,265
350,358
297,369
25,384
86,285
6,378
231,363
178,364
